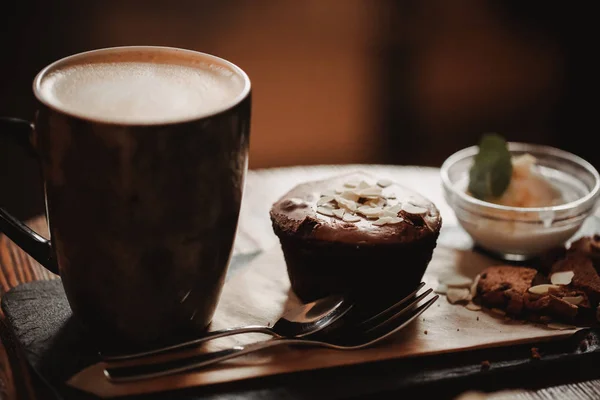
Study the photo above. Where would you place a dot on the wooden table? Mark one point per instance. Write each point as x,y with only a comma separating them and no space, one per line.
263,187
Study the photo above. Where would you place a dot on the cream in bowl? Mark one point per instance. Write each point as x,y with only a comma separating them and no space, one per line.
519,200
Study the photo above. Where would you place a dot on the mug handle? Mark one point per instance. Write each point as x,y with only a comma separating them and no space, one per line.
29,241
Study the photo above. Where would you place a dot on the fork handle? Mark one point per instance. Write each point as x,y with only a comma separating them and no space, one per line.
195,342
147,371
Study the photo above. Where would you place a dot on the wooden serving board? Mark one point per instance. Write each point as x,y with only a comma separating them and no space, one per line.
258,293
261,293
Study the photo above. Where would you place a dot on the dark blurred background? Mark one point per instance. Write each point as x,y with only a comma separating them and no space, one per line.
339,81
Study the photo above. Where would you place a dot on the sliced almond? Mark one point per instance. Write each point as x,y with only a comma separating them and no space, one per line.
363,185
370,212
456,295
391,196
376,202
381,221
575,300
339,190
395,208
541,289
372,191
412,209
384,182
473,307
388,213
350,195
441,288
296,201
458,281
388,221
325,211
474,285
381,202
339,213
350,217
324,200
498,311
328,193
560,327
345,203
351,184
562,278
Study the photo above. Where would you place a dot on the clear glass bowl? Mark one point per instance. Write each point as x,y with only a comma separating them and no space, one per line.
519,233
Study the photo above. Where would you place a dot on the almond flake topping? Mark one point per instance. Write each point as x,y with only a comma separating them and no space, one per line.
562,278
350,217
389,213
325,211
474,285
345,203
355,200
338,212
412,209
350,195
388,220
384,183
575,300
542,289
441,288
458,281
324,200
363,185
370,212
370,192
456,295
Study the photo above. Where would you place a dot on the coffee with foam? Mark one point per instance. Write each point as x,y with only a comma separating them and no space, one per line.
141,90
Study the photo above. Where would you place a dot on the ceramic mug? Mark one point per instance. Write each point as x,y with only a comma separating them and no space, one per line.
142,213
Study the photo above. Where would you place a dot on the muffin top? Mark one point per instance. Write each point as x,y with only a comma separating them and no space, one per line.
355,208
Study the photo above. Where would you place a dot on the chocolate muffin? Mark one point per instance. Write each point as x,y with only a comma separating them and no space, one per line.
356,235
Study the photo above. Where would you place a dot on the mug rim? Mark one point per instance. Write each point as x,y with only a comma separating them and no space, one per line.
112,50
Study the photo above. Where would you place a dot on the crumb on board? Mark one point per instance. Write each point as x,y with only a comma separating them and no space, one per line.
425,332
485,365
535,353
477,318
457,329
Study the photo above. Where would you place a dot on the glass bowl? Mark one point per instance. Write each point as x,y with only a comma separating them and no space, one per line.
520,233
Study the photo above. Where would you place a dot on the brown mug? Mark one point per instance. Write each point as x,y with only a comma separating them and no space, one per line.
142,193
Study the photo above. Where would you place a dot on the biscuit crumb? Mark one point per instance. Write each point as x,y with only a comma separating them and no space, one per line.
457,329
477,318
535,354
485,365
425,332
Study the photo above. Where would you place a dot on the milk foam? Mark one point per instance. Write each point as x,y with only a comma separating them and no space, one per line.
141,92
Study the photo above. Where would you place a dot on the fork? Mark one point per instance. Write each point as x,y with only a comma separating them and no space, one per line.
368,332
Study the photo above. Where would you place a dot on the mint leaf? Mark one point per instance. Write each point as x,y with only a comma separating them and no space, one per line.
491,172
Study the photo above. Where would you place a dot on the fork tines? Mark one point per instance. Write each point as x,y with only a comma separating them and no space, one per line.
374,323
